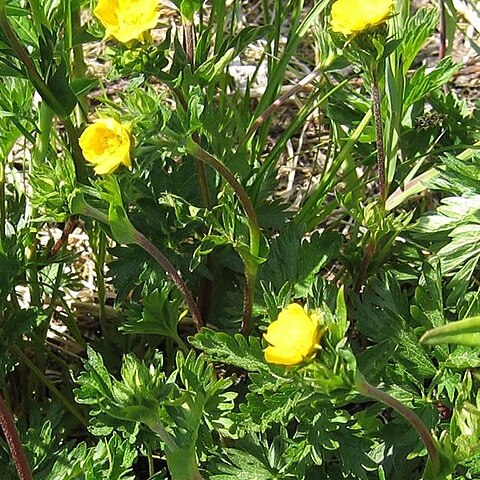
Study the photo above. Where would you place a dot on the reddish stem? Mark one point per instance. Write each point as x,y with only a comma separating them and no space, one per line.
13,439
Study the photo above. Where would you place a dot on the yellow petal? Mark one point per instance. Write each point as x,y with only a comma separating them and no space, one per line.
109,166
282,357
293,326
106,144
292,337
128,20
354,16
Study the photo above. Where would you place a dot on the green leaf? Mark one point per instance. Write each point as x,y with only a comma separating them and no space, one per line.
463,357
242,466
60,87
160,314
421,83
246,37
188,8
463,332
122,229
418,29
243,352
341,322
428,308
382,314
296,261
81,86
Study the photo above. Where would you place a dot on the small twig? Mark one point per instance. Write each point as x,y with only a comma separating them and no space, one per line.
68,228
281,100
13,439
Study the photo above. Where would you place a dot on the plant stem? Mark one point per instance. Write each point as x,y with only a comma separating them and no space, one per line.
161,259
76,151
199,153
39,154
13,439
189,42
367,257
79,67
443,30
3,207
189,45
151,467
377,114
250,267
165,263
24,57
370,391
182,464
99,243
169,441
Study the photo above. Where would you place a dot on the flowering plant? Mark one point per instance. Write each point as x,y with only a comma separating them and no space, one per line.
127,20
351,17
254,192
106,144
293,337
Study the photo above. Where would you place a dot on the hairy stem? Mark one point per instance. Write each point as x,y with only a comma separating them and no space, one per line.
189,42
377,114
13,439
443,30
3,207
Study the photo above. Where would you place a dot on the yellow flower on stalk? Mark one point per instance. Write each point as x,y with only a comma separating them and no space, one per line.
106,143
293,337
351,17
128,20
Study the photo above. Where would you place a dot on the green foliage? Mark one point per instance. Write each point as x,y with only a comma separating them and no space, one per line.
255,160
109,459
235,350
160,314
382,314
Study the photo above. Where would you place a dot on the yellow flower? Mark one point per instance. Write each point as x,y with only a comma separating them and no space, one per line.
127,20
354,16
292,337
106,143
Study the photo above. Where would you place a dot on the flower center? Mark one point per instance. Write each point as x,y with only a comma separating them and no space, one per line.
107,142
